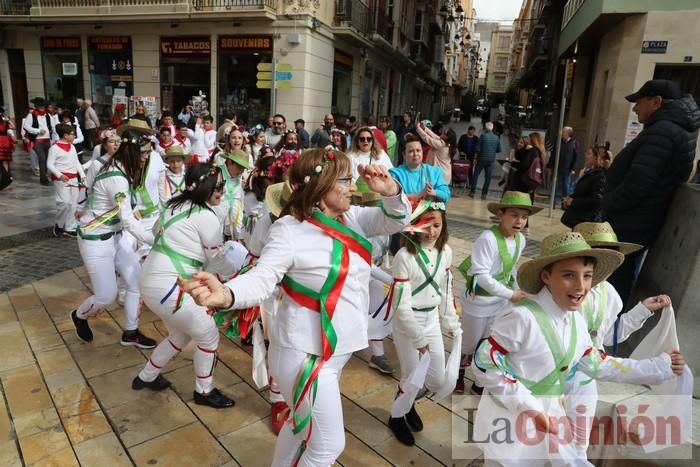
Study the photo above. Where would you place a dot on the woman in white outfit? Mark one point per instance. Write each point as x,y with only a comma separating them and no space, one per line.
319,253
99,234
188,240
366,151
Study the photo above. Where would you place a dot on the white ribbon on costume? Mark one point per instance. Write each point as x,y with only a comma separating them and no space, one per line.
411,387
260,376
451,369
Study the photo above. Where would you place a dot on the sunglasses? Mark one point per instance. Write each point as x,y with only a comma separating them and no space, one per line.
345,181
278,123
365,139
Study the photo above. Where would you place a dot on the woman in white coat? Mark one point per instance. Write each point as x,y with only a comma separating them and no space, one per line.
108,214
322,319
188,240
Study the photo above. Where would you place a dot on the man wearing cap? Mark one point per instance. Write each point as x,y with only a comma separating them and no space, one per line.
301,131
37,125
644,176
486,149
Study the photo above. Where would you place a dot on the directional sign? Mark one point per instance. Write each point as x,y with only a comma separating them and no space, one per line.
264,75
278,85
264,66
283,67
264,85
283,75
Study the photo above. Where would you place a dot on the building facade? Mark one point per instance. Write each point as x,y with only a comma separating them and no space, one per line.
499,55
352,57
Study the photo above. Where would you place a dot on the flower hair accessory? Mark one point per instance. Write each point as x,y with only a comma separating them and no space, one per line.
328,156
141,140
214,170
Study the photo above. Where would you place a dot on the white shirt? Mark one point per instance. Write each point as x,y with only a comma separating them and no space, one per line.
405,303
629,322
186,144
42,132
155,167
59,161
307,262
230,211
195,236
487,263
170,184
105,193
78,132
160,149
271,138
365,158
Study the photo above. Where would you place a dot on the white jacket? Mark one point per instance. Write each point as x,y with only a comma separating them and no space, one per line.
408,276
59,161
365,158
154,169
307,262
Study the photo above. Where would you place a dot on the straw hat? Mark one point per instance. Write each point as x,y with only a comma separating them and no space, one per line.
239,157
557,247
601,234
513,199
276,197
177,151
134,124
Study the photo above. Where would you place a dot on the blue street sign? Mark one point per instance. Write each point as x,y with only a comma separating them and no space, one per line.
283,75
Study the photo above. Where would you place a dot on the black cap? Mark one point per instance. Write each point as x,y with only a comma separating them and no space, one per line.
300,120
657,87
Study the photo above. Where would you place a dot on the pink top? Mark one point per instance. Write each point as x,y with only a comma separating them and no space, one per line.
439,154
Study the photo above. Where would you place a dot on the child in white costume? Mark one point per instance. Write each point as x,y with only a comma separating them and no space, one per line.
172,179
203,139
333,258
67,175
100,230
256,185
490,272
230,211
380,315
600,310
531,351
166,140
188,240
422,301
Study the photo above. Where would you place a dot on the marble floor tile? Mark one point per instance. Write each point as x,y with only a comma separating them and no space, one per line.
100,360
188,445
86,426
25,391
253,444
103,450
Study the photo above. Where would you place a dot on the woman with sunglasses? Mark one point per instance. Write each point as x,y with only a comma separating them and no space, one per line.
106,216
188,241
322,318
366,151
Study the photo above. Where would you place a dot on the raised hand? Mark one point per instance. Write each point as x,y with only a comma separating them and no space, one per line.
378,179
657,303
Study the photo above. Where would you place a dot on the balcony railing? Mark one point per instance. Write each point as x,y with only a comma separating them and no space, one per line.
570,9
48,7
352,13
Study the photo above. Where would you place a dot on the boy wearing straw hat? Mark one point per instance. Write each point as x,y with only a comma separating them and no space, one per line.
172,179
230,211
600,310
530,352
490,273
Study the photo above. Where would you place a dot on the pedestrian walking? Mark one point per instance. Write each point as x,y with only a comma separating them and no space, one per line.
488,146
37,126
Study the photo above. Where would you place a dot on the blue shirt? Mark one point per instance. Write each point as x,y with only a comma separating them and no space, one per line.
413,181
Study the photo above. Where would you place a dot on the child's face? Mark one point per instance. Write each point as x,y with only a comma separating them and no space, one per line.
290,139
513,220
208,125
432,228
236,139
175,164
260,138
234,170
168,121
569,281
69,137
166,137
183,132
336,138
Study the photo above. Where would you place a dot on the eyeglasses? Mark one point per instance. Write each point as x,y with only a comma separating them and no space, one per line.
365,139
220,186
278,123
345,181
147,151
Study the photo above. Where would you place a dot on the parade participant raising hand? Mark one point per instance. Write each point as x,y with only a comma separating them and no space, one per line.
318,252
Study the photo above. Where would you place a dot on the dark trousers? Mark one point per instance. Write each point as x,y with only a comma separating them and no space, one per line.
624,277
488,169
42,152
89,142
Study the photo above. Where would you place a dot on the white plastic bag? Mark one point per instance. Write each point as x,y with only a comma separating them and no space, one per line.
414,383
451,369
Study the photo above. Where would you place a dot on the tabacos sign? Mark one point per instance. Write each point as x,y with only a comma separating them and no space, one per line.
187,46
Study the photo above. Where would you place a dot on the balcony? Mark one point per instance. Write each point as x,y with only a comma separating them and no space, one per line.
77,10
352,20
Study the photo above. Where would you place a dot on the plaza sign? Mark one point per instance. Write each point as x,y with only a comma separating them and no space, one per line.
654,47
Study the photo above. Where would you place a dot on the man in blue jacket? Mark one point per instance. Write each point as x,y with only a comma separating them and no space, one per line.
486,149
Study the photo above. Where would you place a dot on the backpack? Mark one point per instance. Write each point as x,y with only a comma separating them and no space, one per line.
533,177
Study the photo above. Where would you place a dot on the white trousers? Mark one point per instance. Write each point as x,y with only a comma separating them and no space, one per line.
189,322
580,405
66,203
101,259
473,330
327,439
408,354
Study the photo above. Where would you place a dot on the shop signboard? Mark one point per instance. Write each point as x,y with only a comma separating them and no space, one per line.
245,43
48,43
111,56
654,47
185,46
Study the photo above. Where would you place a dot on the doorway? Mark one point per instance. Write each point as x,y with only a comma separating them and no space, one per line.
18,84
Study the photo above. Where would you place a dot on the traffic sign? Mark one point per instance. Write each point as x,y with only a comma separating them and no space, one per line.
283,75
264,66
264,75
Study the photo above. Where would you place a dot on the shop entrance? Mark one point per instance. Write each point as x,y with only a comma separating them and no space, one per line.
185,70
62,67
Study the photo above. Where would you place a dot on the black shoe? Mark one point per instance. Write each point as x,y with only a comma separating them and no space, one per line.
136,338
157,384
413,419
57,231
471,195
45,182
82,328
483,197
401,430
214,399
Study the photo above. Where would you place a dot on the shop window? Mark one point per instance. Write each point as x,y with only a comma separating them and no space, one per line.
62,67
